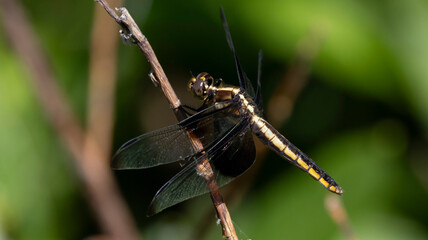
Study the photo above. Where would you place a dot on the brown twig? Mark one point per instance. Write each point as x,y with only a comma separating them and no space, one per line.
337,212
132,32
282,102
102,192
102,82
102,79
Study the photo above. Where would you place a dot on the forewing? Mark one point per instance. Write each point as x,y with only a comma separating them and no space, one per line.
172,143
149,150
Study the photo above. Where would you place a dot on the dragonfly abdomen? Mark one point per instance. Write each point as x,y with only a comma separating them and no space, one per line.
271,137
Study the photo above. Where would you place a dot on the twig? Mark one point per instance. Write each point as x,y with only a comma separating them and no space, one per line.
102,84
337,212
102,79
102,192
282,102
132,32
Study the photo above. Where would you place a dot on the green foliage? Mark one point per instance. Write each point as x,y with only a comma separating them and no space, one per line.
362,115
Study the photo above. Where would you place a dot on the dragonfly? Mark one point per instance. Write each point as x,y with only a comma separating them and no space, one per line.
224,124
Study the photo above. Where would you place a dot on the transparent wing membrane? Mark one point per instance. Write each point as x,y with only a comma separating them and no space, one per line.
172,143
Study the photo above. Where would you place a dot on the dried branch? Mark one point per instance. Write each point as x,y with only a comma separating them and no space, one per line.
133,33
337,212
102,192
102,79
282,102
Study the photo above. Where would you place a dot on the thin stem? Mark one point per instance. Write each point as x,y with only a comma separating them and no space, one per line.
337,212
102,192
102,79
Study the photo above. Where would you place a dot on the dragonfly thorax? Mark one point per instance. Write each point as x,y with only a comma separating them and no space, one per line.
203,85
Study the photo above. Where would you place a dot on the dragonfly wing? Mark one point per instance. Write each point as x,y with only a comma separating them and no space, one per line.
236,146
149,150
172,143
244,82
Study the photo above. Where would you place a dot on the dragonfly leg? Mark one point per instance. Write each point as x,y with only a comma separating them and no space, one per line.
187,109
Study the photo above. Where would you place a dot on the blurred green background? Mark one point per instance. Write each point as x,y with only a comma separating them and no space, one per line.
362,115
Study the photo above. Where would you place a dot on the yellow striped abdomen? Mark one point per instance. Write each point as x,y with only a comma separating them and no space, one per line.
271,137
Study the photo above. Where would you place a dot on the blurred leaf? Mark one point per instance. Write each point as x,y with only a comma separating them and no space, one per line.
353,52
36,185
378,52
407,36
375,226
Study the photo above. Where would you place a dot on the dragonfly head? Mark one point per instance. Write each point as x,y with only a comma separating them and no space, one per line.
203,85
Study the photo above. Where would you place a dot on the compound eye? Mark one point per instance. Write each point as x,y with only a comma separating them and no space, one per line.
191,83
201,84
209,81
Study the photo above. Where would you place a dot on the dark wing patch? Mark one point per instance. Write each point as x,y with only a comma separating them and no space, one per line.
258,99
244,82
239,156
